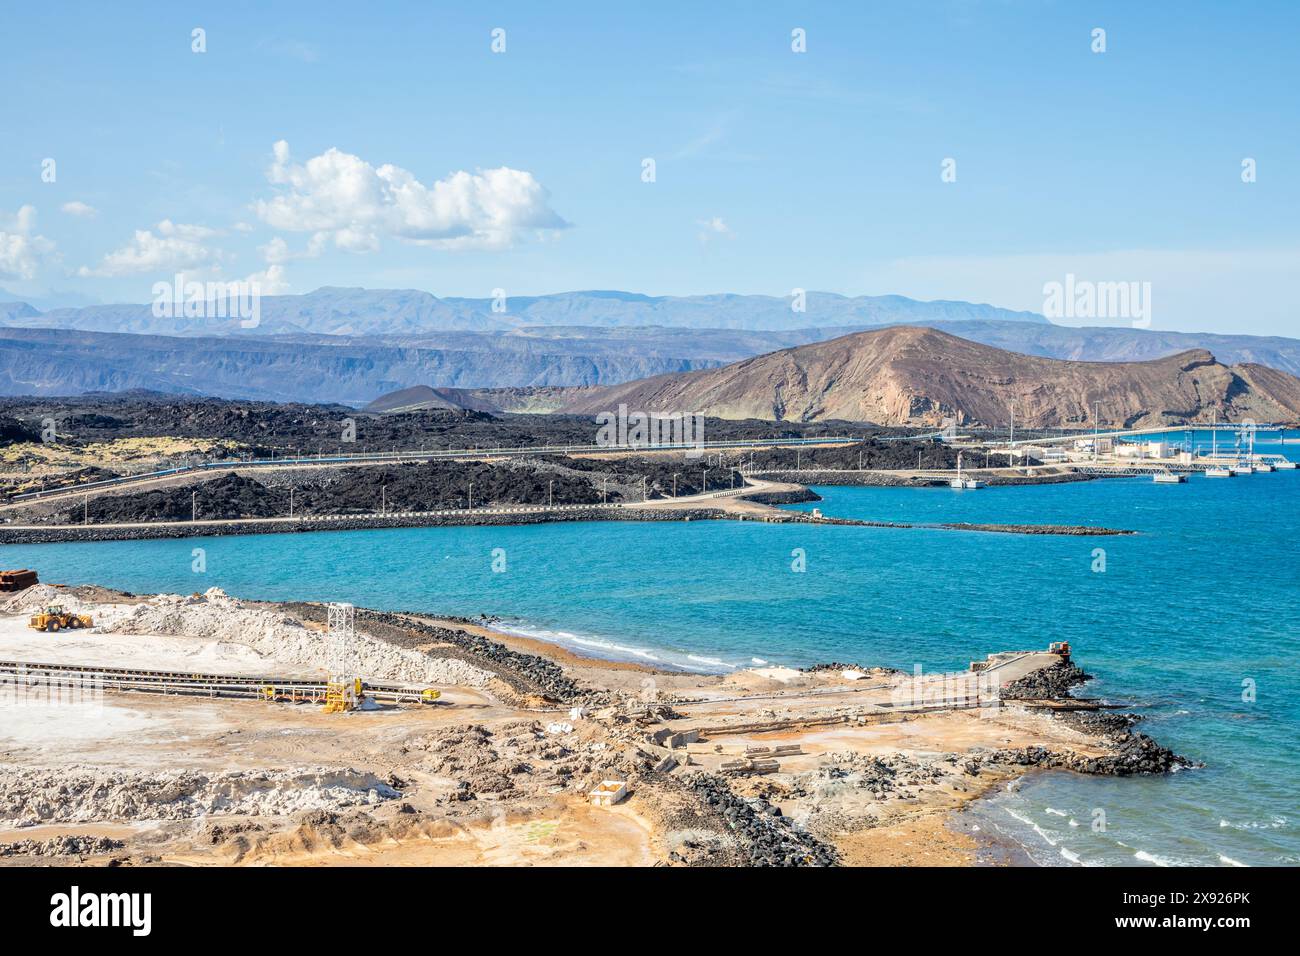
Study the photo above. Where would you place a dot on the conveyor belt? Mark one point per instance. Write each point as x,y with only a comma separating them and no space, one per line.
210,685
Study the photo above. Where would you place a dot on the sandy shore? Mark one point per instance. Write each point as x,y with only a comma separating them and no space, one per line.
772,766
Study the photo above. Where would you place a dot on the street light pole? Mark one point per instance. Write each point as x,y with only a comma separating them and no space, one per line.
550,493
674,484
1096,424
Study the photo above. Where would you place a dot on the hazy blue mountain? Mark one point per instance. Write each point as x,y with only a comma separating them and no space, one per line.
1118,344
728,311
358,369
12,312
304,368
50,300
326,311
336,311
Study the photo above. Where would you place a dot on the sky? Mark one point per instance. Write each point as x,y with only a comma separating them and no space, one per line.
954,149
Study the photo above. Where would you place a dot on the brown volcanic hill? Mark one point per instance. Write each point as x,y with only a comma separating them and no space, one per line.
540,399
907,375
413,399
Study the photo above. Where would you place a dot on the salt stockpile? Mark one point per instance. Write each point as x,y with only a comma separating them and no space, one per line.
215,616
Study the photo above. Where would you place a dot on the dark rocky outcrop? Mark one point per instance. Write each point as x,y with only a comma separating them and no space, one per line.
765,837
1046,683
525,673
1130,752
1133,753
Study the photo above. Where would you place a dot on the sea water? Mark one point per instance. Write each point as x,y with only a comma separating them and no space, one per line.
1192,621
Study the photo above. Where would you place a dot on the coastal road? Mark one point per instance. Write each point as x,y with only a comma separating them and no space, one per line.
727,500
184,474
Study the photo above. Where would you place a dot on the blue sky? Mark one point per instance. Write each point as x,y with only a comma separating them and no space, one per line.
774,169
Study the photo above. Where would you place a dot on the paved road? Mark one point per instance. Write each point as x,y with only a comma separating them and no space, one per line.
722,500
182,474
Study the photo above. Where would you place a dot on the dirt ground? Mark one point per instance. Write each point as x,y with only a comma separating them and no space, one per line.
482,777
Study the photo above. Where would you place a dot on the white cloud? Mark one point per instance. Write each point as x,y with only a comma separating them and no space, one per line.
714,228
80,209
21,251
175,246
345,201
270,281
275,251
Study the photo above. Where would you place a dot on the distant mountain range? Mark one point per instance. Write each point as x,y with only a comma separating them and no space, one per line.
335,311
921,376
353,345
308,369
46,302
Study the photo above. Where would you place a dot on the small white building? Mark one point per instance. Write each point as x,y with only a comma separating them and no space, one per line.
609,793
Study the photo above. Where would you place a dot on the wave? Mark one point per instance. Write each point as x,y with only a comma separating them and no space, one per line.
604,649
1031,824
1151,858
1276,823
710,661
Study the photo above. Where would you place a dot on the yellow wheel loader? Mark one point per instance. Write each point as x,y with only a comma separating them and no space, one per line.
54,618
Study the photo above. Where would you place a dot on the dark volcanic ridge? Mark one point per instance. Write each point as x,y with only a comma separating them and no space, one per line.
425,486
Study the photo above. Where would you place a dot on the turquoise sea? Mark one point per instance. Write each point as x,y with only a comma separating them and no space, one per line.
1193,620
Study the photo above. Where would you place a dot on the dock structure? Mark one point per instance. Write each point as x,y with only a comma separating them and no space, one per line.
745,719
1123,433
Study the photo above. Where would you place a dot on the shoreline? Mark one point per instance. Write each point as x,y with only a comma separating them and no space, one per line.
861,775
950,836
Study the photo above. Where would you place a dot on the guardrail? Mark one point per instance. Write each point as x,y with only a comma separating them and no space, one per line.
207,685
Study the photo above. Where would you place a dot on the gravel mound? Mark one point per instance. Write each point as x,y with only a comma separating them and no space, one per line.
64,845
214,616
526,673
31,798
766,837
39,596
